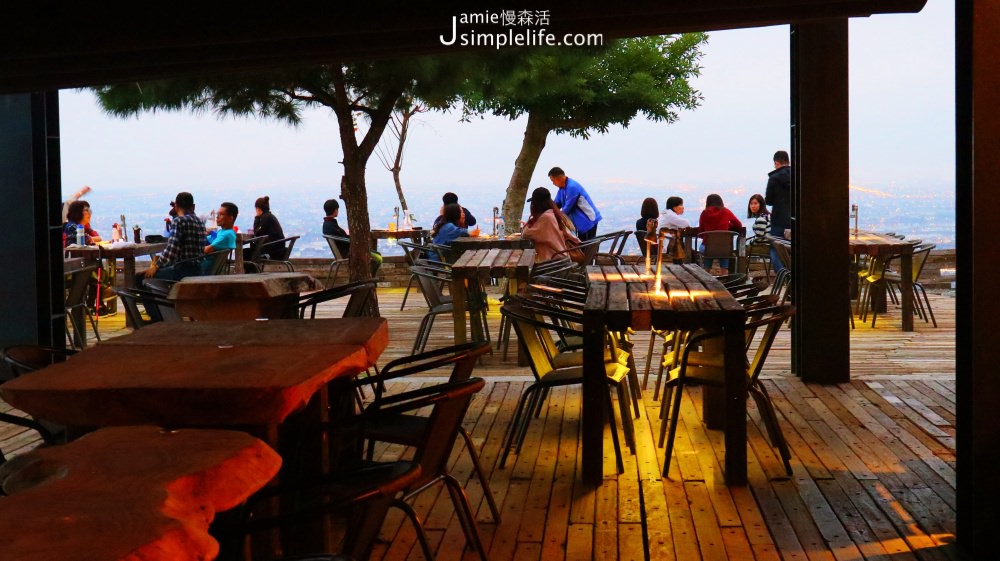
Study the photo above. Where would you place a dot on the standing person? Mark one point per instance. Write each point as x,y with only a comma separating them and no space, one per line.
452,199
330,228
546,226
717,217
761,219
266,224
650,211
779,196
576,204
188,241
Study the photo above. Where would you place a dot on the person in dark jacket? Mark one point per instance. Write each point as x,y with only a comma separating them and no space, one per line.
451,199
266,224
779,197
330,228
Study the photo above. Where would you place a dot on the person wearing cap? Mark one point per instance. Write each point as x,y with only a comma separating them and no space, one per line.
573,200
452,199
187,242
546,226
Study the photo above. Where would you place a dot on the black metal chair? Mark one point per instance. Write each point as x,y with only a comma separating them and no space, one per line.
76,307
338,257
271,253
23,359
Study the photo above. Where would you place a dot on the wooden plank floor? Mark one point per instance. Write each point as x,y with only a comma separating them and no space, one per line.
873,459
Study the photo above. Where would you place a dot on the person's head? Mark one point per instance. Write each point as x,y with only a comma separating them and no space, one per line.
225,217
76,211
262,205
558,177
714,200
650,209
756,206
676,204
781,159
184,202
541,200
331,207
449,198
453,213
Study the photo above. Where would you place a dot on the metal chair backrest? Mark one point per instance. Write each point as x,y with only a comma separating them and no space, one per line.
431,285
22,359
771,319
333,242
218,262
130,300
719,244
413,251
461,358
76,293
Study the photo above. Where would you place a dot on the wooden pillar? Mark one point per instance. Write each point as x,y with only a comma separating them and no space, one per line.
32,306
977,338
820,201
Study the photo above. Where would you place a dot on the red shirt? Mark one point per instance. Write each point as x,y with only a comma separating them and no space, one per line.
715,218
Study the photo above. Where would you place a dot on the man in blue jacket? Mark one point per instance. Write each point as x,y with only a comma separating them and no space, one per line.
576,204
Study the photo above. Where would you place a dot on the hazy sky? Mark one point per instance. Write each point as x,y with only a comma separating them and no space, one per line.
902,131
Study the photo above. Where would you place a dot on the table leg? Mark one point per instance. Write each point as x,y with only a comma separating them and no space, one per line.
514,286
736,402
458,304
595,388
906,276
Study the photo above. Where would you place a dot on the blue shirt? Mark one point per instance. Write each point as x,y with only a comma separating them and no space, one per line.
575,203
222,239
447,234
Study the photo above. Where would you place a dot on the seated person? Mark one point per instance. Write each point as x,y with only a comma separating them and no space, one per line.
649,211
225,237
546,226
450,228
78,216
671,218
187,242
330,228
449,199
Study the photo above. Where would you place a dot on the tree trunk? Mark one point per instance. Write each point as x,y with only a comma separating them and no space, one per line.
517,190
399,189
355,197
397,166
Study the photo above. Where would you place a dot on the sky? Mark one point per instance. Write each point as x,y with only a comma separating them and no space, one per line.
902,132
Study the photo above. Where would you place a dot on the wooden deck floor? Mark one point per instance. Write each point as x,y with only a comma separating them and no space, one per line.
874,464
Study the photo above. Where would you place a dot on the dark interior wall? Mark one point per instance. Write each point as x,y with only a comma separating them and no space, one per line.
31,309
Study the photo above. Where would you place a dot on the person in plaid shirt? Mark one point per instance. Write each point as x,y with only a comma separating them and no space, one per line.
188,241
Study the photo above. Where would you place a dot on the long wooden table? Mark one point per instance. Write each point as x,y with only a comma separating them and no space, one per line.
417,235
126,253
689,298
128,493
461,245
884,247
480,265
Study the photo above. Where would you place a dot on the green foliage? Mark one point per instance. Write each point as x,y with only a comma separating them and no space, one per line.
578,91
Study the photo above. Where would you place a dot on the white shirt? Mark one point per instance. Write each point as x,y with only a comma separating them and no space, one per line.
670,219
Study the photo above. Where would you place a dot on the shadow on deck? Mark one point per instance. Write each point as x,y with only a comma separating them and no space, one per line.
873,459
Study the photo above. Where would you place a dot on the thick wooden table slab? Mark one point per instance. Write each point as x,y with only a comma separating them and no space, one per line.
478,265
370,333
135,493
235,297
196,386
686,298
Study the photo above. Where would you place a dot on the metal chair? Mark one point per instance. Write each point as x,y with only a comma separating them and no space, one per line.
338,257
273,252
412,253
614,254
360,295
76,307
721,245
23,359
708,371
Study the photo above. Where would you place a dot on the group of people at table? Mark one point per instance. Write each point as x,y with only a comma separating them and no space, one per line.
571,217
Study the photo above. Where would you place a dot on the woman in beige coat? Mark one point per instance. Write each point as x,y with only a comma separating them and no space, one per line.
546,227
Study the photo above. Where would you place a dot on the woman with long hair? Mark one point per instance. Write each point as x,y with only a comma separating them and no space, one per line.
757,210
650,211
546,226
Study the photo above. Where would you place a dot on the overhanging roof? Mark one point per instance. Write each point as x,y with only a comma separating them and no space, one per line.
79,45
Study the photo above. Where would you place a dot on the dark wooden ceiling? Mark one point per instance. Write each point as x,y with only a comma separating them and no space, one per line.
81,45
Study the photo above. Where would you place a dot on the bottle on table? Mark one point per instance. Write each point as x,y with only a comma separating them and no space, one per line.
81,235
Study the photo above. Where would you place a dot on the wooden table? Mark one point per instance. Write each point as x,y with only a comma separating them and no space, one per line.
461,245
200,374
884,247
129,493
241,296
417,235
126,253
478,265
625,296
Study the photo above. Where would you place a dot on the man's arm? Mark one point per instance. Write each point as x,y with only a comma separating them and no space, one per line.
469,219
571,194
